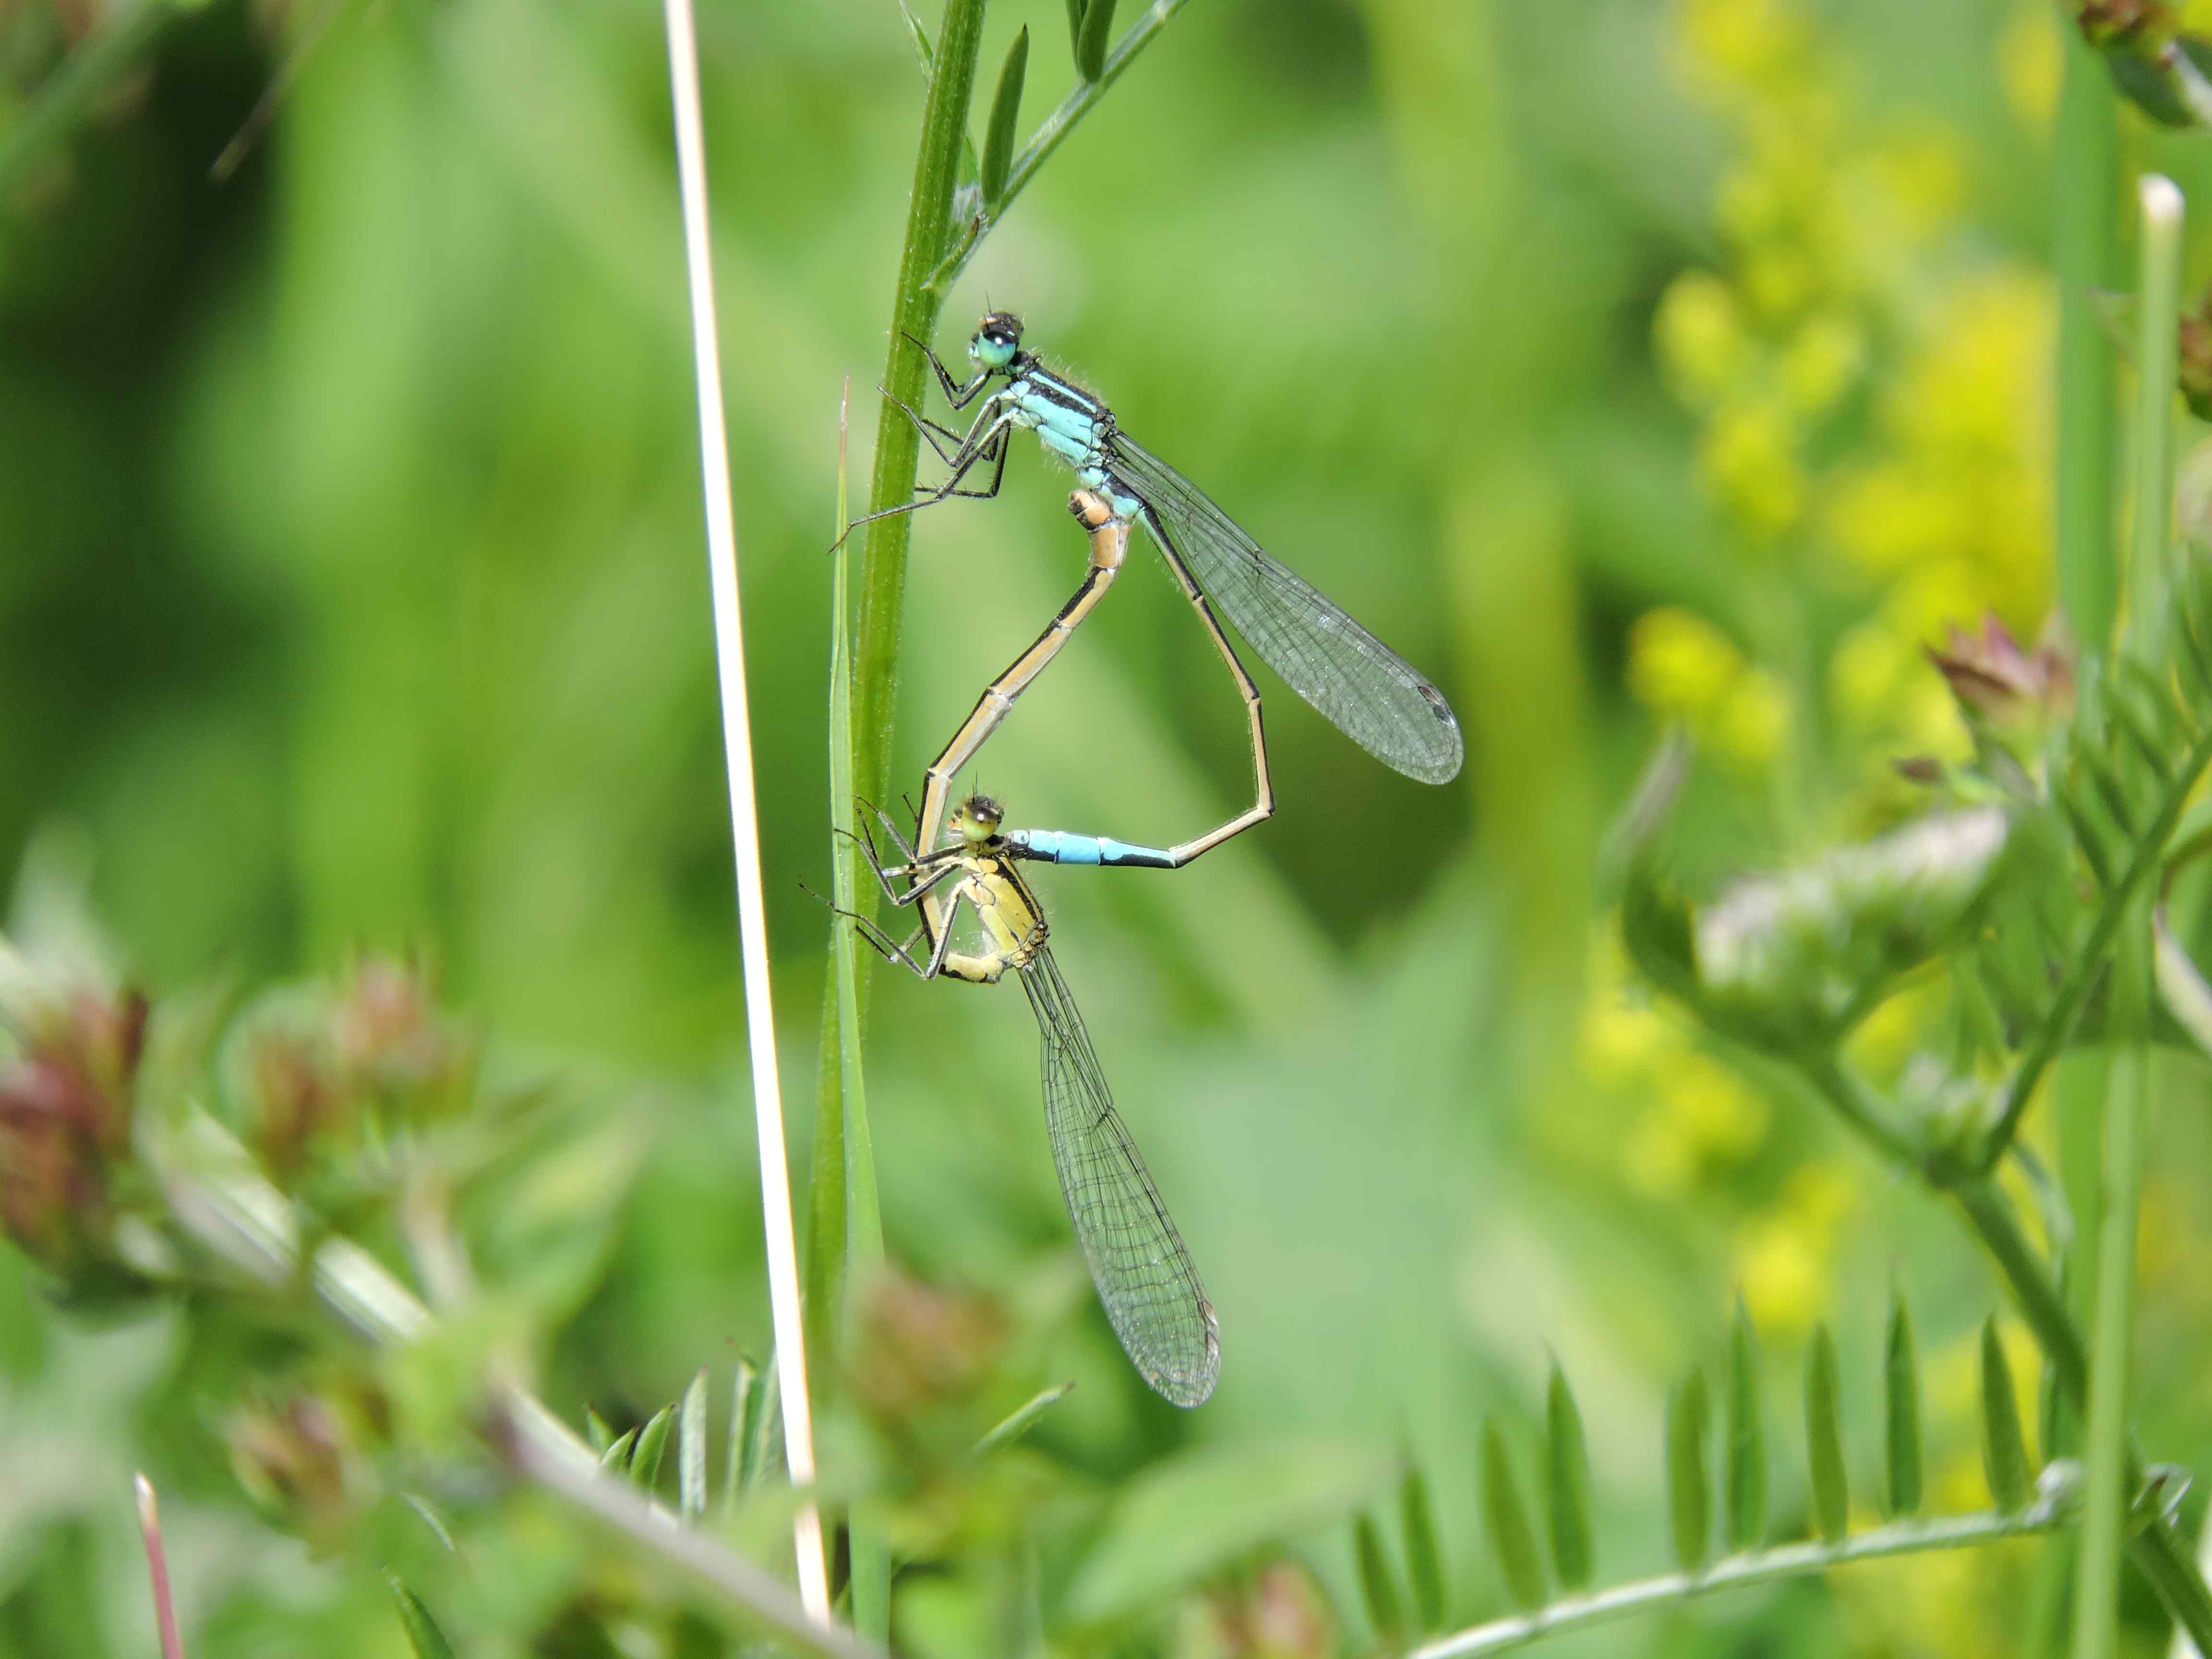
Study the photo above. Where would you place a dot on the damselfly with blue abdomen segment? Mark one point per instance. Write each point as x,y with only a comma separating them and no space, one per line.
1146,1279
1365,689
1110,546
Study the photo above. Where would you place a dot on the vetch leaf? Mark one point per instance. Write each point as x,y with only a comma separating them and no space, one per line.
1510,1538
616,1456
1378,1588
1689,1500
691,1449
1566,1465
423,1635
1900,1377
744,1404
597,1431
1006,115
2004,1458
1075,8
1746,1436
1824,1440
1093,39
1424,1565
1191,1515
652,1440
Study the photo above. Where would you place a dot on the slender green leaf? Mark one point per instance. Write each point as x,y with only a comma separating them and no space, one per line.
744,1406
1006,116
652,1440
1900,1376
1566,1464
1096,35
2085,837
2004,1458
691,1449
1689,1497
596,1433
1424,1565
1746,1436
1378,1588
616,1456
921,46
1824,1440
423,1636
1017,1423
1511,1537
758,1415
1075,8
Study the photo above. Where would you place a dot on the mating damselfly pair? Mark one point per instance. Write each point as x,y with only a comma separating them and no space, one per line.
1146,1279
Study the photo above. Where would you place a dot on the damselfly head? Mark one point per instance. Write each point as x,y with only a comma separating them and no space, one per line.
998,337
977,819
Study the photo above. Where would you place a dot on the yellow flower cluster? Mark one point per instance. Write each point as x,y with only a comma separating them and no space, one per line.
1865,398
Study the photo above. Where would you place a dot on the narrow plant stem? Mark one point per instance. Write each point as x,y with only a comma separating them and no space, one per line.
71,90
1737,1571
2089,963
578,1480
915,306
1051,132
1860,1108
2097,1590
782,1249
157,1569
2085,258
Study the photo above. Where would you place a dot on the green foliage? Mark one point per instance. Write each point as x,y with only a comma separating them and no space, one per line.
1745,1463
1424,1566
1093,37
1006,114
1379,1585
1823,1439
2004,1457
1900,1395
1506,1522
423,1637
1566,1465
1689,1493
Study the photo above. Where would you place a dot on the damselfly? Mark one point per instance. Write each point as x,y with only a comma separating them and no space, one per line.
1365,689
1138,1261
1109,547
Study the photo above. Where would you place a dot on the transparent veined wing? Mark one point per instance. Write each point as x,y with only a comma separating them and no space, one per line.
1144,1275
1366,689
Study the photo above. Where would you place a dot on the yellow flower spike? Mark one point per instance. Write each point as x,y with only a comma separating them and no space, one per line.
1871,664
1753,720
2030,59
1699,336
1715,1109
1747,455
1822,362
1741,41
1679,663
1785,1276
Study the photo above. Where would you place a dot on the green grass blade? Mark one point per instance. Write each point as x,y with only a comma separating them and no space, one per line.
745,1408
1746,1493
1096,35
596,1433
2004,1457
758,1452
1006,115
1017,1423
1566,1467
1424,1565
1689,1497
423,1636
1378,1588
1824,1440
691,1449
1900,1376
1511,1537
652,1441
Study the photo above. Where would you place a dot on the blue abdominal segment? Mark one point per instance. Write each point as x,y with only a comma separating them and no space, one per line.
1058,846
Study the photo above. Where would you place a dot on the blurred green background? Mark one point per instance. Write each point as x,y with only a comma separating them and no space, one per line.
1619,363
